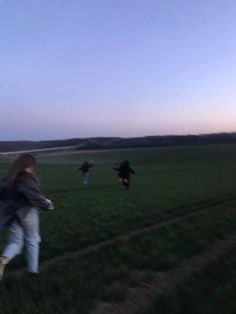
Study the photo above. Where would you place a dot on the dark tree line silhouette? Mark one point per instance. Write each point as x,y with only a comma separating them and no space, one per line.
117,142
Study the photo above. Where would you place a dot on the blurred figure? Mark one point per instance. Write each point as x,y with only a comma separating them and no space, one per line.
85,170
124,172
20,194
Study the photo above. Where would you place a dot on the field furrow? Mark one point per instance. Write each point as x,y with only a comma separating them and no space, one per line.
139,299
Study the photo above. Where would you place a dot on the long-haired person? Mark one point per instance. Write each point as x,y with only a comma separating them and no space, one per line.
20,196
124,172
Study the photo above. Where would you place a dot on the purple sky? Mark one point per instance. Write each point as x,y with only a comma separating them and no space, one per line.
116,68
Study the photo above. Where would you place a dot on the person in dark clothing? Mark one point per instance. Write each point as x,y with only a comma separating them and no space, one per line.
124,172
20,194
85,170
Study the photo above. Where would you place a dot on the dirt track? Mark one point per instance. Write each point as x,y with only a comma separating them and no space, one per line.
140,298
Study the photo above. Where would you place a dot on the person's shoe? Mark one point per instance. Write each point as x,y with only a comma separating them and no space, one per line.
33,275
2,267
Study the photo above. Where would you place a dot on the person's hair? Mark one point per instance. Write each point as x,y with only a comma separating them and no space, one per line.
18,168
126,163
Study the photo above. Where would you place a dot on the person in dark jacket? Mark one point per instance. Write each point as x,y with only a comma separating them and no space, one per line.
85,170
20,195
124,172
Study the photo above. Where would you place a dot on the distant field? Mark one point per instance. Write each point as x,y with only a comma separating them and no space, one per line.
102,242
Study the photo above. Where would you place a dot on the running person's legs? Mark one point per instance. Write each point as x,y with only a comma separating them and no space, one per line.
126,183
32,239
15,241
85,177
14,245
28,230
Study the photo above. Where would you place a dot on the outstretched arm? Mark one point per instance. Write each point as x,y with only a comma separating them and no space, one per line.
30,187
132,171
116,169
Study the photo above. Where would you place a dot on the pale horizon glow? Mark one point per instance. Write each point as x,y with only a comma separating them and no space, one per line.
76,69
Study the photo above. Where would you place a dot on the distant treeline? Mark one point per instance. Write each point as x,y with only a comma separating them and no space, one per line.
117,142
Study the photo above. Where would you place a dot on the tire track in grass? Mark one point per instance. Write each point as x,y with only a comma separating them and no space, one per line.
119,239
139,299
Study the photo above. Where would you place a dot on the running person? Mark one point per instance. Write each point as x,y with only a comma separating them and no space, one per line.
124,172
20,194
85,170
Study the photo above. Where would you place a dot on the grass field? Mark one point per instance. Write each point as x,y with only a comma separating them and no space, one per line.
104,247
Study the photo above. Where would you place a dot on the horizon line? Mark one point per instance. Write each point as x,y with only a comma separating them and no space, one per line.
119,137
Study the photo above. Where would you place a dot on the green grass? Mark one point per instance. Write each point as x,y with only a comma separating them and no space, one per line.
106,275
212,290
170,182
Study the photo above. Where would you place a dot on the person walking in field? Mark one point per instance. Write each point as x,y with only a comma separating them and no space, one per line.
20,196
124,172
85,170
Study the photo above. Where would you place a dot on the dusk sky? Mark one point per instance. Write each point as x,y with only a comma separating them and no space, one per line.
73,68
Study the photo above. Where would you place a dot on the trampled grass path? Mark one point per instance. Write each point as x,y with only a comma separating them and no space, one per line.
141,298
119,239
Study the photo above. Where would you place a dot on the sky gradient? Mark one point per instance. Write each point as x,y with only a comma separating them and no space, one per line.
116,68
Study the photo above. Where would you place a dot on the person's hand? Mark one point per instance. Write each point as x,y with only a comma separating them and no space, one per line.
50,204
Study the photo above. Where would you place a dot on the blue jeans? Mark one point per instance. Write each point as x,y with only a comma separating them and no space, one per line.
25,231
85,176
